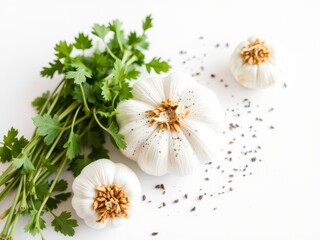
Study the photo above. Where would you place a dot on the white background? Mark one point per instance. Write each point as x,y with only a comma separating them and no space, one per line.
281,200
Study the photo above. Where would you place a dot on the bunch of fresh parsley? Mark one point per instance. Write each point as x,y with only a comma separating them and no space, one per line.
71,123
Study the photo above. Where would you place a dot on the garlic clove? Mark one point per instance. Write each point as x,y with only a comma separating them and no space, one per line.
128,181
100,173
203,138
129,113
153,160
92,222
149,91
266,75
136,132
115,222
83,207
247,75
199,101
83,188
175,83
182,158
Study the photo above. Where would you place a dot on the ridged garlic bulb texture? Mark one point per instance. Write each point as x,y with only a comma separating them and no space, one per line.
105,194
171,125
254,64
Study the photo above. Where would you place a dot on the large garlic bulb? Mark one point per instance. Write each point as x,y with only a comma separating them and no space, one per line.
253,64
170,124
105,194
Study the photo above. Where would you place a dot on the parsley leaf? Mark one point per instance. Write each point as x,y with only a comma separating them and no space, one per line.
12,146
34,226
64,224
147,23
100,31
25,163
72,145
61,186
78,164
81,73
115,26
98,153
82,42
105,90
39,102
125,91
136,41
119,39
132,73
47,127
118,72
95,139
63,196
42,190
133,39
113,130
5,154
157,65
56,66
53,202
63,50
89,92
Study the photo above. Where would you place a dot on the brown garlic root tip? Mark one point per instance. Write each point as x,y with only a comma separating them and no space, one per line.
168,115
255,53
110,202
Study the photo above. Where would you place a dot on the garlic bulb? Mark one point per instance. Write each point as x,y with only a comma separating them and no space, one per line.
170,124
253,64
105,194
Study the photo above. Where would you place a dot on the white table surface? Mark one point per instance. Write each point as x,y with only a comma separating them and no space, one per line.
281,199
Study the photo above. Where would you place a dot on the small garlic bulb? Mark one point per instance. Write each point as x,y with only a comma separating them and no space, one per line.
170,124
105,194
253,64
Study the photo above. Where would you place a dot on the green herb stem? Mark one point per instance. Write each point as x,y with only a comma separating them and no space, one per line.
13,226
5,214
51,188
111,53
50,97
132,60
43,174
98,122
11,212
8,188
4,176
68,110
86,108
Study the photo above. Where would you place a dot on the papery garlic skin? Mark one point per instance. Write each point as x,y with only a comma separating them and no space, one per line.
160,151
254,76
104,172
